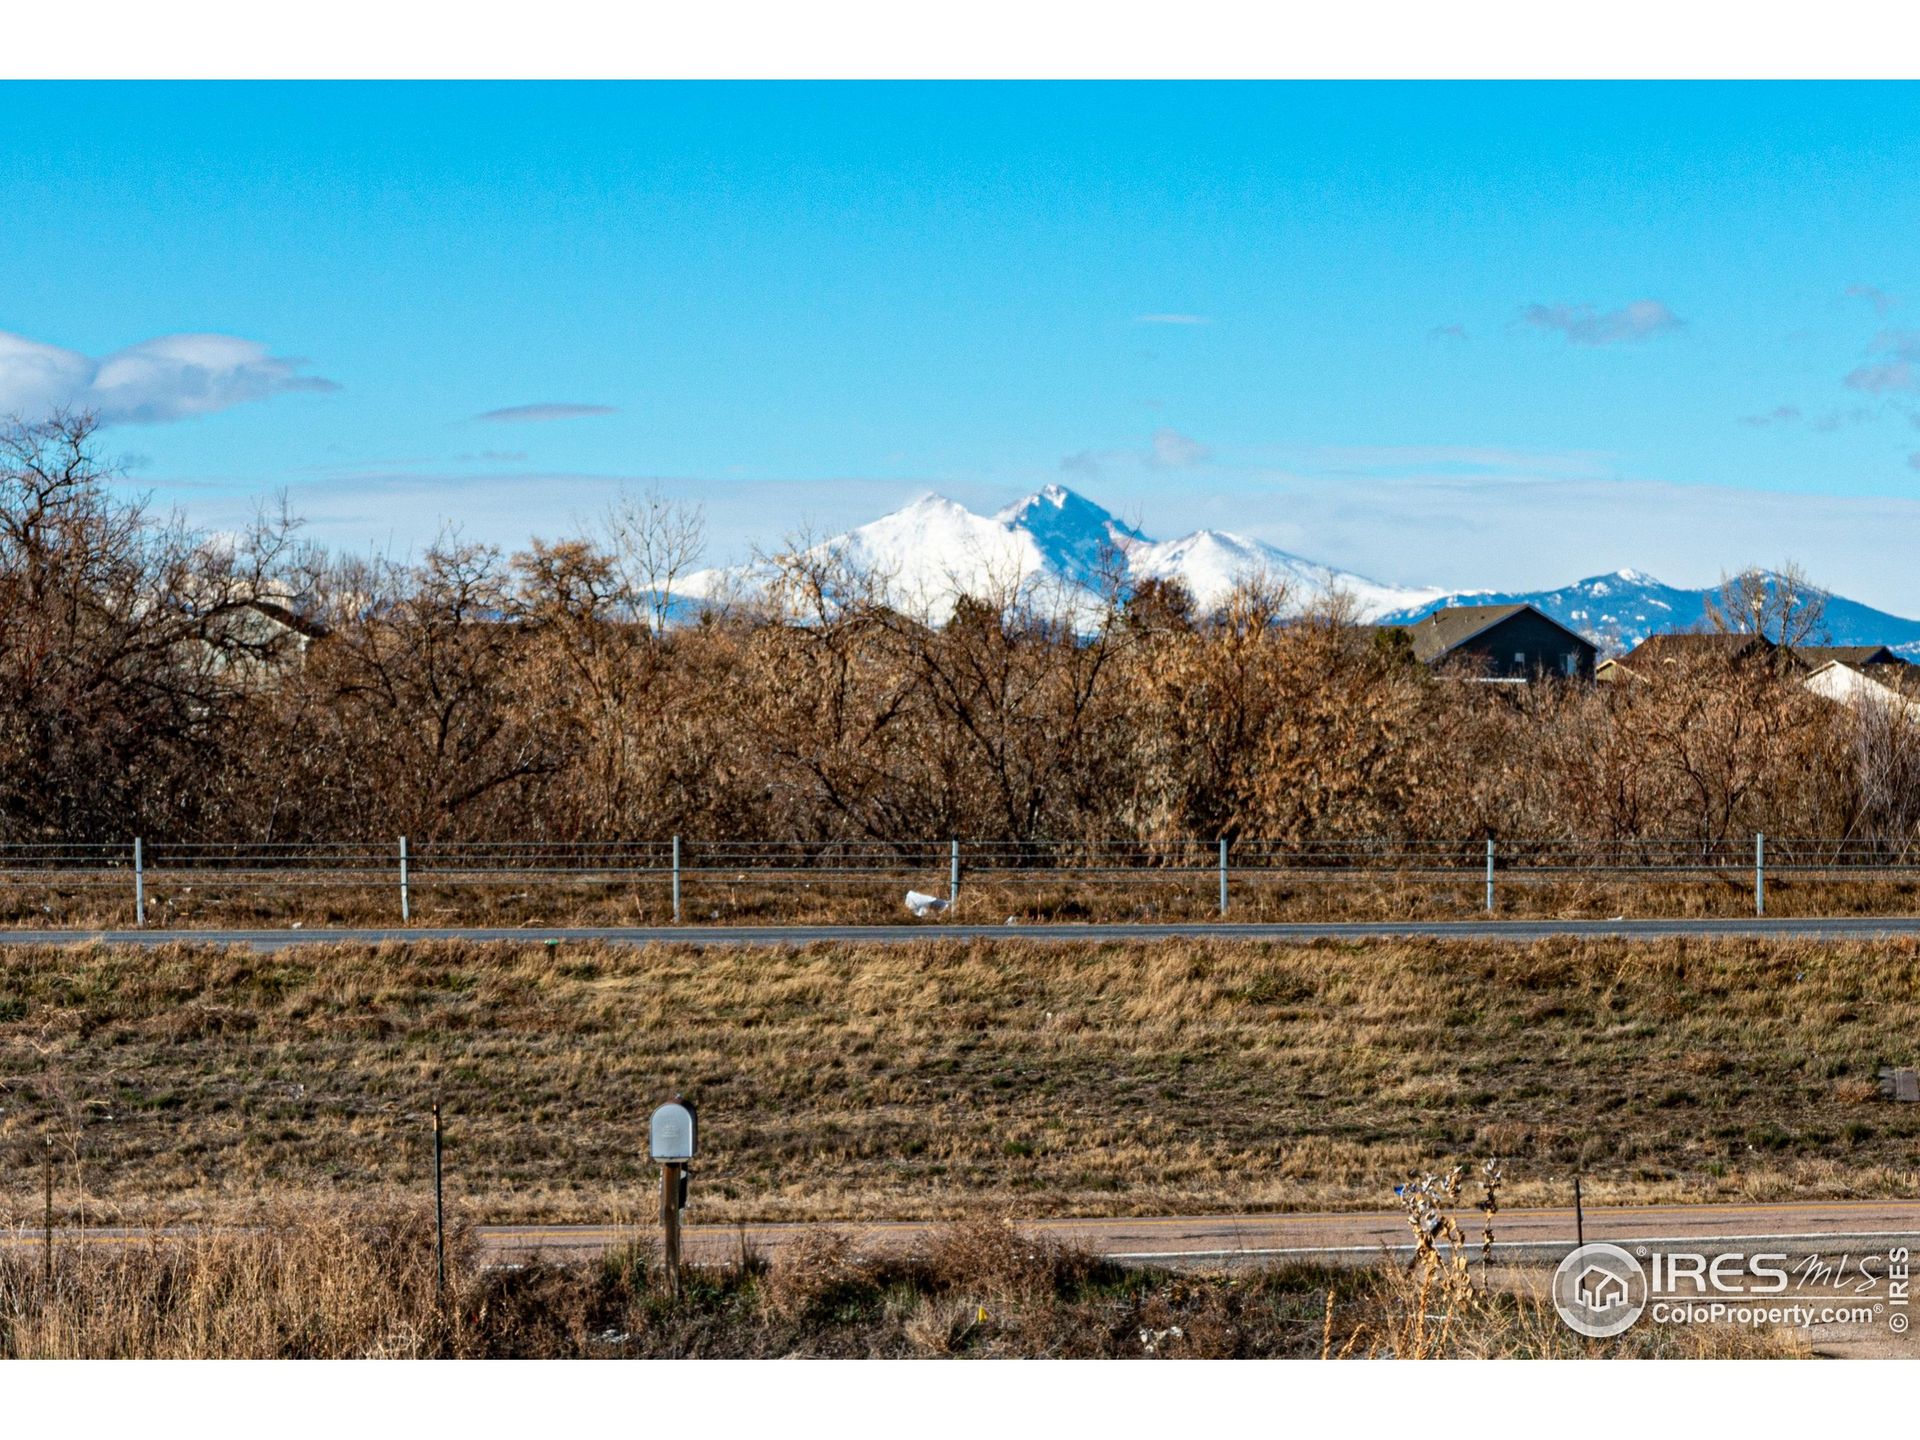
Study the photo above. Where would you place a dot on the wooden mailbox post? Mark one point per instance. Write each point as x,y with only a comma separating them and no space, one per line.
673,1139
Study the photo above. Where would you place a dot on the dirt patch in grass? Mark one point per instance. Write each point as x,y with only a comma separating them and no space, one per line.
950,1079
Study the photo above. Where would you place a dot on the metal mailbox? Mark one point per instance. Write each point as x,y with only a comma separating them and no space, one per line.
672,1134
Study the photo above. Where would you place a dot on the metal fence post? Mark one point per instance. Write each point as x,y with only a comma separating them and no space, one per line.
1223,877
953,874
439,1211
47,1214
139,886
406,908
1759,873
1489,875
676,879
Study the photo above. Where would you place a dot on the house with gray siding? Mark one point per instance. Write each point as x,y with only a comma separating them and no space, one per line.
1501,642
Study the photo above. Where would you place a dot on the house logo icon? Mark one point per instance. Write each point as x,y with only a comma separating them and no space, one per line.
1599,1290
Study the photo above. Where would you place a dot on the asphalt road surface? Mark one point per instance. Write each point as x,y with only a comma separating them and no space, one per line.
1826,1227
1847,928
1329,1235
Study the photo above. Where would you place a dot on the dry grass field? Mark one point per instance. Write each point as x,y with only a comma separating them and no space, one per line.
323,1284
950,1079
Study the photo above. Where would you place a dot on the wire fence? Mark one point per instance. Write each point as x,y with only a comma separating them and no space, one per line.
671,867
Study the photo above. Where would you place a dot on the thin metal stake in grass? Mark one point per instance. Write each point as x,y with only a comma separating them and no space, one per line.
1579,1215
47,1161
439,1210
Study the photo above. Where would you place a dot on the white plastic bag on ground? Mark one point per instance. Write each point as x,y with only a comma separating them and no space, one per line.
924,905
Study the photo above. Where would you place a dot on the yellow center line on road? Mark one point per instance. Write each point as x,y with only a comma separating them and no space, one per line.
1597,1217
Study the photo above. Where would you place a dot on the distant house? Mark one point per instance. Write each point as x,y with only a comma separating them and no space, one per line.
1673,650
1814,656
1892,686
1668,651
1502,642
254,640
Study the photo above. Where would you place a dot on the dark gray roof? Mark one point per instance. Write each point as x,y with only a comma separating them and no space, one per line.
1899,675
1678,647
1444,631
1814,656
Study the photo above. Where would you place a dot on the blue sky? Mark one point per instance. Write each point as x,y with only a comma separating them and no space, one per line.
1464,334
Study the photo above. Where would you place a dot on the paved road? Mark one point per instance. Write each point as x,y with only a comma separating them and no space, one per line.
1326,1235
1824,1226
1849,928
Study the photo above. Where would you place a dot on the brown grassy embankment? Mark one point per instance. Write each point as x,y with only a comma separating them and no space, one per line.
951,1079
209,900
320,1284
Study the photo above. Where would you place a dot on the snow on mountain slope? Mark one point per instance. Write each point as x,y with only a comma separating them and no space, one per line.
1619,610
1079,540
1059,547
935,550
1211,562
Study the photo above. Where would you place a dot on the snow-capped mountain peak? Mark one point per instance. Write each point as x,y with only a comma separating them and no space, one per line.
1058,545
1079,541
1620,609
1059,548
933,550
1209,563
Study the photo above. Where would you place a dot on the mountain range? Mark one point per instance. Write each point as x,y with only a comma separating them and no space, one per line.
934,550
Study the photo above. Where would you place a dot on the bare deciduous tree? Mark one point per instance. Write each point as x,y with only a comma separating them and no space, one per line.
652,542
1782,606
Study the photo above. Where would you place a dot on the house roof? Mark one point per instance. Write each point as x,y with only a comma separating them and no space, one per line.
287,619
1689,647
1898,676
1445,631
1817,655
1678,647
1898,679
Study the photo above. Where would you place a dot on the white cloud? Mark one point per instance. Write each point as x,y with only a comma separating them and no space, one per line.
1839,419
1583,325
1779,415
1167,450
516,413
1879,299
173,377
1884,376
1896,372
1174,451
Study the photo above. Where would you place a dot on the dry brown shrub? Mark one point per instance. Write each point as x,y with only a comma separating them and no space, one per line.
992,1256
319,1284
813,1275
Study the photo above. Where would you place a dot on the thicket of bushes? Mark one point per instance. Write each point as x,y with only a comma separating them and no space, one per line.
330,1285
474,695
